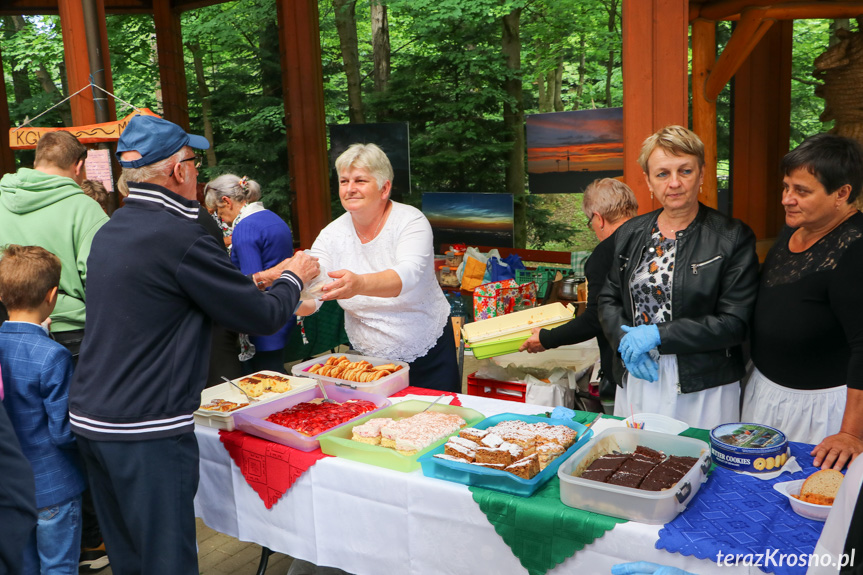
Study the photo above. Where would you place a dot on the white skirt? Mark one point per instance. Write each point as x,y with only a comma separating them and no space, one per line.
803,415
705,409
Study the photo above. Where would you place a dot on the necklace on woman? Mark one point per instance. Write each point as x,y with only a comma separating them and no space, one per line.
377,229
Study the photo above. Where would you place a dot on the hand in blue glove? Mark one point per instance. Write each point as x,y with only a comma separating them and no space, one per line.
644,367
646,568
638,340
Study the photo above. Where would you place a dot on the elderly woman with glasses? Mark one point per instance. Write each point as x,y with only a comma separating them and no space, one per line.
607,204
381,263
260,240
680,294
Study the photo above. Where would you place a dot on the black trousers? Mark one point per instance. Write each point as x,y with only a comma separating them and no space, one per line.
438,369
17,498
144,493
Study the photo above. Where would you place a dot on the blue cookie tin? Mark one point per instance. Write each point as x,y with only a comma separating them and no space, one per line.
749,447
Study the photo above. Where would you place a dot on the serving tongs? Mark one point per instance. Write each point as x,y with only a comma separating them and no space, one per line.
432,403
324,393
243,391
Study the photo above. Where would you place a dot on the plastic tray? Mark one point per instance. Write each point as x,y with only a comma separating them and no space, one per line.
495,479
653,507
253,421
505,334
385,386
225,420
338,441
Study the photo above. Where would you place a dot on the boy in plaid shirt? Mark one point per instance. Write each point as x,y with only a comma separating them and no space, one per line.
36,375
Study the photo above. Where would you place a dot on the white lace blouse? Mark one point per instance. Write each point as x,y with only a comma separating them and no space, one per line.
404,327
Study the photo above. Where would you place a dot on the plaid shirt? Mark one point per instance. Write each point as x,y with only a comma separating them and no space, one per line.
36,376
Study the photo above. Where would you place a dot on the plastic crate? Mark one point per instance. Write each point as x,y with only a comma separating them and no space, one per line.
552,271
541,278
506,390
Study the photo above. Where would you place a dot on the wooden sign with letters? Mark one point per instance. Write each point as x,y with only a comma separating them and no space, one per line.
26,138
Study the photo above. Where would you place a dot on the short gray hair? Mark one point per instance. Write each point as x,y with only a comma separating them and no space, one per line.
152,172
611,199
676,140
236,188
367,157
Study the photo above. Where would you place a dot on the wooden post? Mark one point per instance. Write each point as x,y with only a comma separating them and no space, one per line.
7,157
704,110
172,72
305,121
77,63
655,79
762,116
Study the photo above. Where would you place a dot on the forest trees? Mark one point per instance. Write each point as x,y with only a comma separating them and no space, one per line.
461,73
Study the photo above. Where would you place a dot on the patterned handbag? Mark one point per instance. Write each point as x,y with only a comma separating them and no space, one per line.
503,297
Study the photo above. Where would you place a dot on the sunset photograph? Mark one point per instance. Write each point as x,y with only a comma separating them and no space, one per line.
473,219
568,150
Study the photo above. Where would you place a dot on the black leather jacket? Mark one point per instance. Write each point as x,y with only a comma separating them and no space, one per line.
712,296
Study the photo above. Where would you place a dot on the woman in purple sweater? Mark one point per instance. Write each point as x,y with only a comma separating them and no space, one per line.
260,240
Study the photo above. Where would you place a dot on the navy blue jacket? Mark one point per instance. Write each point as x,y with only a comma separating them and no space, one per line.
156,281
36,374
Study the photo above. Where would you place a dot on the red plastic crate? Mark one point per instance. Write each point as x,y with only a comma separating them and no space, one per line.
506,390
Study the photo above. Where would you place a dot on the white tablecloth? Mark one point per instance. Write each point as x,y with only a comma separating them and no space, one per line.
370,520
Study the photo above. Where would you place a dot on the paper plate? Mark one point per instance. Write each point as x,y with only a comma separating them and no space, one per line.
808,510
659,423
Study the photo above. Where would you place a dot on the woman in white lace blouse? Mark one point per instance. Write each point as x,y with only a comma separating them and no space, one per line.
381,260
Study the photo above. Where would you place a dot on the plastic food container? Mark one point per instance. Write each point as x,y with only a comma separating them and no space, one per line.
802,508
225,420
385,386
338,441
749,447
504,481
505,334
653,507
253,419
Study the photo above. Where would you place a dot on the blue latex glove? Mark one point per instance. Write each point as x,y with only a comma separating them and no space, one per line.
644,367
646,568
637,340
561,412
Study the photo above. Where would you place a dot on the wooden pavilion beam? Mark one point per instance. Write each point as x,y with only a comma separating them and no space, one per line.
7,157
761,131
655,79
704,109
786,10
172,71
305,120
746,36
77,61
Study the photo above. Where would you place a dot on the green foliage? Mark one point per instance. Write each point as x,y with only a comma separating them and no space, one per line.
447,82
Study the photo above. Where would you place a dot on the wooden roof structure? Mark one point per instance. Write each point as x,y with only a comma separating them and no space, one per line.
656,39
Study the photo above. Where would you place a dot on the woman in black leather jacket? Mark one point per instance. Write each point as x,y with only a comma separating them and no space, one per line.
680,294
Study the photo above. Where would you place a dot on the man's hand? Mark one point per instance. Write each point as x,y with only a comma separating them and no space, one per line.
532,345
836,451
305,266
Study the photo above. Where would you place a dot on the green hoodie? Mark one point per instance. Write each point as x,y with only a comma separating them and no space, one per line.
51,211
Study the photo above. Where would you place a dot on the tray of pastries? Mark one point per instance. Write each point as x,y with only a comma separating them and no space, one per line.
508,452
220,403
396,436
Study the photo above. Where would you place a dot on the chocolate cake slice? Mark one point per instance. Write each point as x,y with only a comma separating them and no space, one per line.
663,476
649,454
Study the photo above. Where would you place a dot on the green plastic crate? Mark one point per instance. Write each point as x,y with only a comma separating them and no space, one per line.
541,278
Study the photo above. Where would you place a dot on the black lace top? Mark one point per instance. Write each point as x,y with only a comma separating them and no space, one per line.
808,327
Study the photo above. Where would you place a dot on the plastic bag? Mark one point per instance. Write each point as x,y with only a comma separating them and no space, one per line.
504,269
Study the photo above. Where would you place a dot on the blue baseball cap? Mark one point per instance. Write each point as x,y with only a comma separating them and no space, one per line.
155,139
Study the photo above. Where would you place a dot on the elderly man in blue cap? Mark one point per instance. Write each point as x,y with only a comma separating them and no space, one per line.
157,280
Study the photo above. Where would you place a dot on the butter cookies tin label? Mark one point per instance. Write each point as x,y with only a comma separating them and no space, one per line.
748,447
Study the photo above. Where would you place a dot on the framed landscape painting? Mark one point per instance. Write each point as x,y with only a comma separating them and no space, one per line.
568,150
472,219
